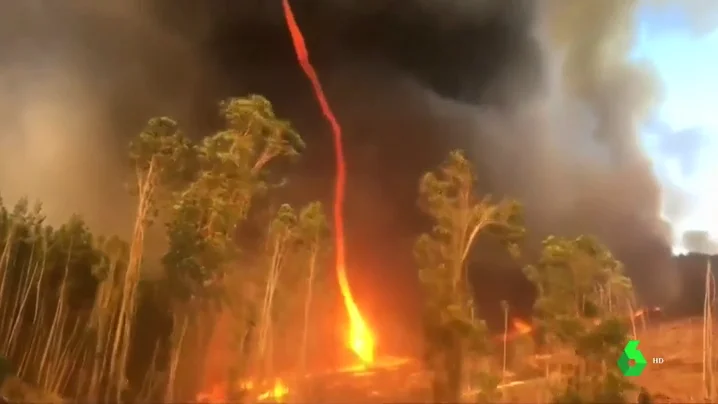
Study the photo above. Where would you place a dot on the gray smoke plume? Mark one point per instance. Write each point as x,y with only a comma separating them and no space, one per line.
76,79
563,137
586,172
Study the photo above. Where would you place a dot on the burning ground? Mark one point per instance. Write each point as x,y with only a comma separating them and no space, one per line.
531,377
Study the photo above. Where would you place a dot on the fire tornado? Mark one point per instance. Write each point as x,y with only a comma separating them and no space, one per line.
361,340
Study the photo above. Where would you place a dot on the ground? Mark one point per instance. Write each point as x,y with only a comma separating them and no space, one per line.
678,379
680,344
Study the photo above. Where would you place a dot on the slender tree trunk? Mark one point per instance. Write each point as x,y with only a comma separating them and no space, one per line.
179,330
506,337
632,316
307,310
439,382
708,376
454,371
123,330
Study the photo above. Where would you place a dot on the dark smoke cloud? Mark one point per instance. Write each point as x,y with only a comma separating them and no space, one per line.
540,92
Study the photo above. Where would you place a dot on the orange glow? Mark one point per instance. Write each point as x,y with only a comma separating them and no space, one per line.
217,362
278,391
381,363
521,327
361,340
642,312
518,327
246,385
215,395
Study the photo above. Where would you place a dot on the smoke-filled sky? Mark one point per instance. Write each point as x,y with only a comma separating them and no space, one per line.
682,138
548,97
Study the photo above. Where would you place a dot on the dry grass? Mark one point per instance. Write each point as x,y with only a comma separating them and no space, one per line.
680,345
678,379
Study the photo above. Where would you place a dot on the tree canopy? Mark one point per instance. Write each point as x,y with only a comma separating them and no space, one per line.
75,303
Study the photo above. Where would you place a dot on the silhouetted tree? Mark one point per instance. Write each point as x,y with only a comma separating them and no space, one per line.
583,304
460,216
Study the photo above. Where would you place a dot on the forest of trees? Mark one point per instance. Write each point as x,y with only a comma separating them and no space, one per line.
74,302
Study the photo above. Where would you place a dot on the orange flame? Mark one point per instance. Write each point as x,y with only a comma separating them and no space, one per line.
521,327
361,340
642,312
217,362
278,391
216,394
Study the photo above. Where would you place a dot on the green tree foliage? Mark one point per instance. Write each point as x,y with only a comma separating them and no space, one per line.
72,301
221,177
230,169
49,279
584,300
453,332
280,241
158,156
74,298
294,257
314,232
162,157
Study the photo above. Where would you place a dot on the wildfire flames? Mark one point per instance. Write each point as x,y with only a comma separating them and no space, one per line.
215,395
642,312
278,391
218,394
361,340
521,327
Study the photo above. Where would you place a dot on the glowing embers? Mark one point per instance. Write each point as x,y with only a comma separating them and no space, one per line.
275,393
